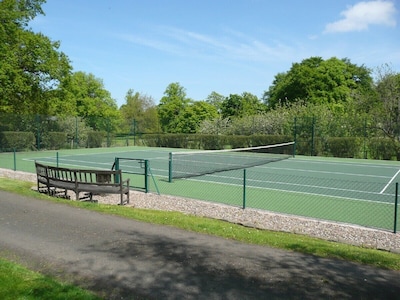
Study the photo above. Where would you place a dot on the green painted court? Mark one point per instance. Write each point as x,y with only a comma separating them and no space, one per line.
359,192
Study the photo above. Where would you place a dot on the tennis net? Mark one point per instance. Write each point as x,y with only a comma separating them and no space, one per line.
196,163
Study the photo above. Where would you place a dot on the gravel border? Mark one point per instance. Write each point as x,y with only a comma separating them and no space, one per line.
331,231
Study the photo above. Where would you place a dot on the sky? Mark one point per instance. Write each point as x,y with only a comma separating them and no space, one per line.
222,46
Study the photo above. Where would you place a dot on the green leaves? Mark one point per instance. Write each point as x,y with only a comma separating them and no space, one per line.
319,81
31,63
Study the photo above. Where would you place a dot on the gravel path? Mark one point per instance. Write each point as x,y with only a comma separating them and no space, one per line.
344,233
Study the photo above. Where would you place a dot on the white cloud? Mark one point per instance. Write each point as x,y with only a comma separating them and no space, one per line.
363,14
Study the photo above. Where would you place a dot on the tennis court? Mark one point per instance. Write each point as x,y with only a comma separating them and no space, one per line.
360,192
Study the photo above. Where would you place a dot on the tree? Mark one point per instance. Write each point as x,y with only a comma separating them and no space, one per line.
172,105
241,105
139,112
31,65
216,100
388,91
193,115
91,101
316,81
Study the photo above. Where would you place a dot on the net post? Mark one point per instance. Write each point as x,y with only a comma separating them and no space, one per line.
57,159
294,149
170,167
395,207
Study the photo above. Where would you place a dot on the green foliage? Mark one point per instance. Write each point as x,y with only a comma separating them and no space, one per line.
139,113
172,105
262,140
192,116
383,148
319,81
75,129
387,116
213,142
32,67
95,139
91,101
178,114
349,147
215,100
241,105
54,140
17,140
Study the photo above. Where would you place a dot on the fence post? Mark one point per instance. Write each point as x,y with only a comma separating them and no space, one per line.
38,138
76,133
313,136
170,166
15,159
146,174
244,188
365,138
117,169
395,207
294,136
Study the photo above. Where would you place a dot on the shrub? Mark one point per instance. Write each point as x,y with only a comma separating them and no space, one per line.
54,140
94,139
17,140
382,148
348,147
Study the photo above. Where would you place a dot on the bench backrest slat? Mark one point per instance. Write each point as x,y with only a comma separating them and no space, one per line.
105,177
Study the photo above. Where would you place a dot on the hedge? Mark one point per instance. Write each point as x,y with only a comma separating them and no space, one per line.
17,140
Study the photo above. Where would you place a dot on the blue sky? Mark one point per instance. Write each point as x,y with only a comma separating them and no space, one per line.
225,46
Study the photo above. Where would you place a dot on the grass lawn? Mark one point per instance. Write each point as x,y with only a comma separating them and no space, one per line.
17,282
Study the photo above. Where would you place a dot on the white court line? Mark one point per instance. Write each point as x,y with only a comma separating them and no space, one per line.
306,185
357,164
326,172
386,186
293,192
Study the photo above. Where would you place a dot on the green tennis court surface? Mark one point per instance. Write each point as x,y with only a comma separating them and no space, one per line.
360,192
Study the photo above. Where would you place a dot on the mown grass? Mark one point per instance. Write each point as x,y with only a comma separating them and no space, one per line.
287,241
17,282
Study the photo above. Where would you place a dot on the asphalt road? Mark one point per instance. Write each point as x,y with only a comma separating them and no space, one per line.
125,259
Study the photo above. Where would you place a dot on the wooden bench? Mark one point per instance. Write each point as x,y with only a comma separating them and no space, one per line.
51,179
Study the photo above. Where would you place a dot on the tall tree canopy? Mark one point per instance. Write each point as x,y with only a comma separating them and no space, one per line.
216,100
179,114
139,113
172,104
387,114
315,80
246,104
88,98
31,66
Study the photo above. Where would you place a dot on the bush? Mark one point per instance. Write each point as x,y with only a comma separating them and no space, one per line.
382,148
54,140
213,141
348,147
263,139
17,140
94,139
